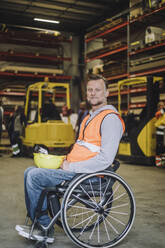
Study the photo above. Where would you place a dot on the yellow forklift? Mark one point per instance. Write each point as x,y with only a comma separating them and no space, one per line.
138,144
44,101
160,135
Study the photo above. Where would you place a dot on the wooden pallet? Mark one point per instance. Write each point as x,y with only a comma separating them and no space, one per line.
115,45
113,87
142,45
114,71
114,64
147,66
105,27
107,48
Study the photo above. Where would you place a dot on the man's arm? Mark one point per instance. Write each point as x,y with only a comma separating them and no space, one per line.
111,133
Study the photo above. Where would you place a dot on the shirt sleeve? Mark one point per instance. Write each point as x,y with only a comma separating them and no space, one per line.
111,133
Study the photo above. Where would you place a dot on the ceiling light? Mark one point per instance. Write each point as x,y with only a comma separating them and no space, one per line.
45,20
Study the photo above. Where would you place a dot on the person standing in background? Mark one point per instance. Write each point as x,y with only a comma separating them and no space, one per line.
1,120
15,129
83,111
68,113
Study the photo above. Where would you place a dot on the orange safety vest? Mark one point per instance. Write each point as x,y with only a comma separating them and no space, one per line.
89,140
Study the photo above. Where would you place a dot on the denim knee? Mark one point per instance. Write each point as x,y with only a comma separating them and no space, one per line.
27,171
31,176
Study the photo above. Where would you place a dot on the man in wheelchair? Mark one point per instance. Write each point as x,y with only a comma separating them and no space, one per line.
94,151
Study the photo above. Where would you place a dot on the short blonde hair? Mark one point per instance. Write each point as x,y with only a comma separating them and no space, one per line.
98,77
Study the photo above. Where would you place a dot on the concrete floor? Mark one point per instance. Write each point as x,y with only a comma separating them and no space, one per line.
148,185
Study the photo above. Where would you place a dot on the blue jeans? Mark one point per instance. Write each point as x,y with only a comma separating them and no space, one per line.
37,179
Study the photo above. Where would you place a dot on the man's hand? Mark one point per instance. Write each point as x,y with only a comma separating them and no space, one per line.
65,165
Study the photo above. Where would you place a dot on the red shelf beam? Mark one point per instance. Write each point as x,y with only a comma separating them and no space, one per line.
147,14
32,56
125,92
147,72
118,76
31,75
10,93
137,105
147,48
108,53
106,32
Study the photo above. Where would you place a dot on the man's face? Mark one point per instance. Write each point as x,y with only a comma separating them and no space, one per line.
97,93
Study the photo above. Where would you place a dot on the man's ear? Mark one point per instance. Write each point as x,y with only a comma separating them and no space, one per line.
107,93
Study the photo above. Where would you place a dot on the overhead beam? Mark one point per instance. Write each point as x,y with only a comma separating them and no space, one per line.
81,5
51,6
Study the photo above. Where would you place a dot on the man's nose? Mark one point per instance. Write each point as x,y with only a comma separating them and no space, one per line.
93,92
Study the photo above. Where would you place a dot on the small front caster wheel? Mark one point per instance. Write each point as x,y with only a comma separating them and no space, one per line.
41,244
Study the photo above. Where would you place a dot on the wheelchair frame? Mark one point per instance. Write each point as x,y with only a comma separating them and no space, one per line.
97,209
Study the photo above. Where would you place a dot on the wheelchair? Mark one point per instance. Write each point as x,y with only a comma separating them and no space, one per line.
95,210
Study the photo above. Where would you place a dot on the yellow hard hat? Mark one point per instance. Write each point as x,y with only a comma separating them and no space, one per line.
48,161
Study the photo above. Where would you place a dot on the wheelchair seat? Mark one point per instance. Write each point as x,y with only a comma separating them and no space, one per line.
95,210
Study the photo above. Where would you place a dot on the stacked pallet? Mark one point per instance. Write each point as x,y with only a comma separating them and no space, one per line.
107,48
140,7
112,68
113,87
148,62
138,99
109,24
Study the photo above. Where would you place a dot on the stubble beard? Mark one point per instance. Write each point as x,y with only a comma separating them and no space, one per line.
95,104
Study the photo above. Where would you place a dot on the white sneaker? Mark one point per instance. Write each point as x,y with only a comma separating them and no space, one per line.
27,235
22,227
37,234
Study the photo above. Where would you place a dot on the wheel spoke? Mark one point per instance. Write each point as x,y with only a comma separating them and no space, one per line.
88,195
117,220
90,219
90,237
114,191
109,223
106,229
80,223
93,194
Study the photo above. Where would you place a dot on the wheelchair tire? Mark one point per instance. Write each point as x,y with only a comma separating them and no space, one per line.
98,218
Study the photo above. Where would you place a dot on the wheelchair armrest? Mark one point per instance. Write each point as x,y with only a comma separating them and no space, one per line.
114,166
66,183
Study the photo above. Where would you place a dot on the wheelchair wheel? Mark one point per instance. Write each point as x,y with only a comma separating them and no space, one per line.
98,214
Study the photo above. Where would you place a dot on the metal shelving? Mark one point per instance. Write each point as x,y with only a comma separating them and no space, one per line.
151,17
103,34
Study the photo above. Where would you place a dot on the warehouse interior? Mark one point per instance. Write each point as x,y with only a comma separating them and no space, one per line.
48,49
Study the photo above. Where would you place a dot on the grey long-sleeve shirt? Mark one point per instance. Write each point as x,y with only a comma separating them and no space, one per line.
111,133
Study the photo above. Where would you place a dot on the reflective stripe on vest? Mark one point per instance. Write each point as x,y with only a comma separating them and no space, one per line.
89,141
91,147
